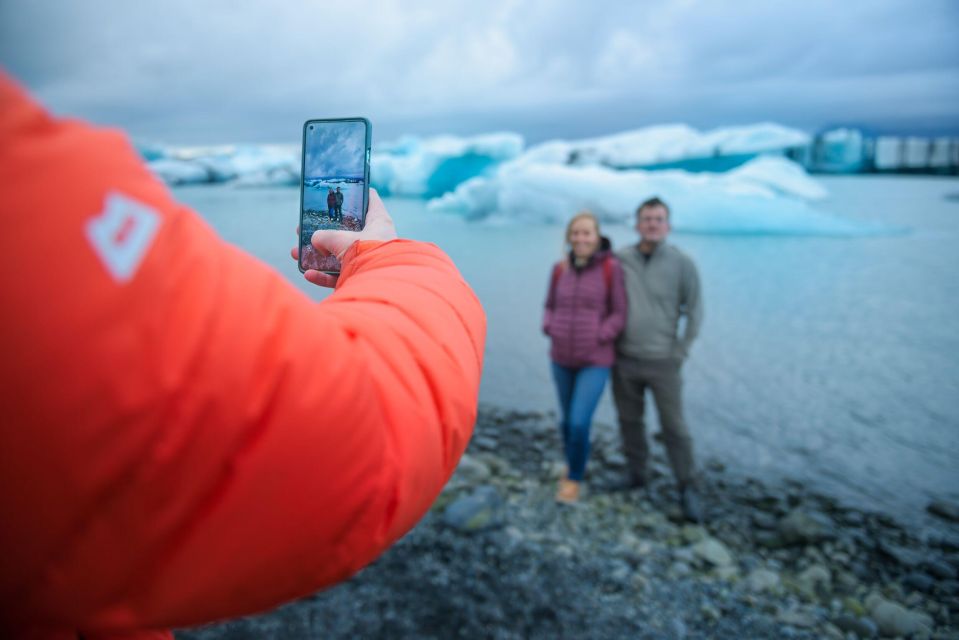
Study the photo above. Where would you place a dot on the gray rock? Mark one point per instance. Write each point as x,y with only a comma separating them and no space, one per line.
814,582
916,581
908,558
692,533
797,618
678,629
713,551
729,573
845,581
472,470
950,587
763,580
893,619
686,554
478,511
945,542
770,540
941,569
485,442
862,627
709,612
764,521
802,526
945,510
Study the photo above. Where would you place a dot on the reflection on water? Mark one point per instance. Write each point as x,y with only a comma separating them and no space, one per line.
832,360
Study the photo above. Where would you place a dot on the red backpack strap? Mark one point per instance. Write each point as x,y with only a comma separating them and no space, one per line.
557,272
608,276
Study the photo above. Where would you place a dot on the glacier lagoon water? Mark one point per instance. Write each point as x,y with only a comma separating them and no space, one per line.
834,361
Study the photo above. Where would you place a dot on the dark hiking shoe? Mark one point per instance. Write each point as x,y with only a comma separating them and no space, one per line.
691,505
629,482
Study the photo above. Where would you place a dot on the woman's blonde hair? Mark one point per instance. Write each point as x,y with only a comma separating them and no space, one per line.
582,215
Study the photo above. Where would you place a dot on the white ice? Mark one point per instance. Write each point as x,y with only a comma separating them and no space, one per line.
414,166
246,165
768,195
668,143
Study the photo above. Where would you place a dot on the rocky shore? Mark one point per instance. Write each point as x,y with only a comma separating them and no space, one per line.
497,558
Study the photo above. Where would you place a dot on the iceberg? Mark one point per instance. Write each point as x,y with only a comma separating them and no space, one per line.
245,165
179,172
674,146
766,196
428,167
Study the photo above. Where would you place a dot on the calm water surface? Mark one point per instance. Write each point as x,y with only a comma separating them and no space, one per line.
830,360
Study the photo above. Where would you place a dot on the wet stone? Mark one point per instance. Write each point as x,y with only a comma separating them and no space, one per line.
861,627
802,526
478,511
944,509
918,582
940,569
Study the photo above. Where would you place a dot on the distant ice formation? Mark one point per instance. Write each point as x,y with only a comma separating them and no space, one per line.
766,196
247,165
659,146
741,180
427,167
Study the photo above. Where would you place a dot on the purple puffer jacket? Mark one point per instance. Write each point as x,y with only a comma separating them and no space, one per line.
581,317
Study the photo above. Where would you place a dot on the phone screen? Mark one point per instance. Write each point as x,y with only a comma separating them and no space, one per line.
334,191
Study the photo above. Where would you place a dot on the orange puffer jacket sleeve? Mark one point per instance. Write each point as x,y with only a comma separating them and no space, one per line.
185,435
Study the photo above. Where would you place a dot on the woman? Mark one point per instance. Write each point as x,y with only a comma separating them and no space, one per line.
585,312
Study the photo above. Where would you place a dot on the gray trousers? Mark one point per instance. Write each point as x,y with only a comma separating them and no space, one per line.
631,378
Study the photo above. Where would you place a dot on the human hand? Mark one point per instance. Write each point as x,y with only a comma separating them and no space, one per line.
379,226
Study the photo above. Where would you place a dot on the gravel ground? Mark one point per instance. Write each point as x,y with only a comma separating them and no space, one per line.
496,557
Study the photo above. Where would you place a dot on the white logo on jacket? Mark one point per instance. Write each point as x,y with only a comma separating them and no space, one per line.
122,233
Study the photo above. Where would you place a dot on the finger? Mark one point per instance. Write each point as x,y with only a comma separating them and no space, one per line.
295,253
320,279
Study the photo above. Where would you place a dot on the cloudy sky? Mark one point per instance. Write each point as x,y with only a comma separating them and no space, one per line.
336,149
218,70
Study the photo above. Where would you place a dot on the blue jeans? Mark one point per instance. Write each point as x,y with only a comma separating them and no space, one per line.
579,392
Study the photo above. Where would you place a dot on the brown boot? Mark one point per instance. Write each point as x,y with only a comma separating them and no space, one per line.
568,492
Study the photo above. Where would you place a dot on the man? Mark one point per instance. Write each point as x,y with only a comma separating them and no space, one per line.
173,449
339,204
661,286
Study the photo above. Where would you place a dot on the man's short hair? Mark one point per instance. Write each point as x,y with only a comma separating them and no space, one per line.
653,202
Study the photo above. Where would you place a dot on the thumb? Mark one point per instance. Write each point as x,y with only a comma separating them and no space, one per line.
333,242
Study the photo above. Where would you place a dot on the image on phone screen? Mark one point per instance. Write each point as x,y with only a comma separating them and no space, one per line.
335,186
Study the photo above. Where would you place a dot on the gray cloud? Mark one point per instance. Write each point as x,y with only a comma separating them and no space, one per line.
220,70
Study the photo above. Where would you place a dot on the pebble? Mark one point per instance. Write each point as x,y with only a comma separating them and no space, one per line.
806,527
940,569
861,627
713,551
472,470
893,619
919,582
797,618
945,510
692,533
906,557
760,580
478,511
814,581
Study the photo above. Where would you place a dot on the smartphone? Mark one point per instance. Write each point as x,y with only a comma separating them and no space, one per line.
334,183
